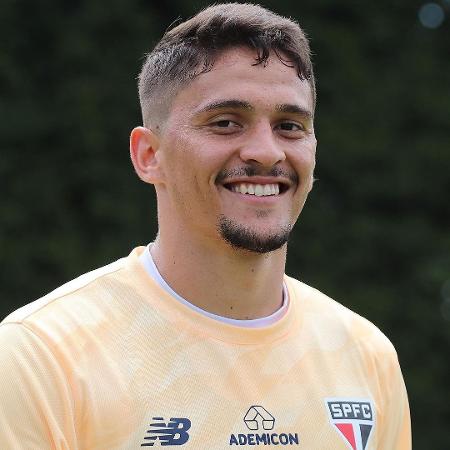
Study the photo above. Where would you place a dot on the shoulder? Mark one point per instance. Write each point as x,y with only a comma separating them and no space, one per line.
329,318
90,311
100,295
80,285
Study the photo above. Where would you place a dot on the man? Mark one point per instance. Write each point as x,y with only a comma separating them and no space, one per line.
200,340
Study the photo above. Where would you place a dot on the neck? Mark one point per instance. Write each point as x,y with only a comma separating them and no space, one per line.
220,279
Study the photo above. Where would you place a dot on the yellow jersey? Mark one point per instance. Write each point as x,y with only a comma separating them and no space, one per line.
112,361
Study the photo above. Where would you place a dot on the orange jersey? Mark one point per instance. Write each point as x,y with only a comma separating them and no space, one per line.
112,361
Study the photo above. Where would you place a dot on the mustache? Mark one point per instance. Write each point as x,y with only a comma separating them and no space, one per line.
253,171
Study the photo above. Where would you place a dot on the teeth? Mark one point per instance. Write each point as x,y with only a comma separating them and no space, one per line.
260,190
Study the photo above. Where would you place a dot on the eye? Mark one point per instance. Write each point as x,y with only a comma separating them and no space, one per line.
224,126
290,126
289,129
223,123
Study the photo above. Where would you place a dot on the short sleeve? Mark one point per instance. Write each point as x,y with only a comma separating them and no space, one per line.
36,409
396,423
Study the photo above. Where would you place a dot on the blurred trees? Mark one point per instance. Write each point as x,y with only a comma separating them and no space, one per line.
375,231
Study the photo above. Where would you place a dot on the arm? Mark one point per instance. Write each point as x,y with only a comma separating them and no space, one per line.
36,409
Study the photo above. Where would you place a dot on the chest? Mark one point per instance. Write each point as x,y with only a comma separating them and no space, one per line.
202,394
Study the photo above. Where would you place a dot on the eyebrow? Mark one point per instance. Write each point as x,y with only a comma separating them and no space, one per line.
294,109
231,104
243,105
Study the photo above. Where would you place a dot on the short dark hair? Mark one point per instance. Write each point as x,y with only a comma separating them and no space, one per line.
192,47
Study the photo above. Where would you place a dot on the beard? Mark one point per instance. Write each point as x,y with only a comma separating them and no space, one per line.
242,238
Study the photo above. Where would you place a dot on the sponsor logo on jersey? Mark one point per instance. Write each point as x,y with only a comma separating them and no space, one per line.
174,432
353,419
257,418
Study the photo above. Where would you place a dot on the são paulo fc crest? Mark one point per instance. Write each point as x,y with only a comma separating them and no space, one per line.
353,419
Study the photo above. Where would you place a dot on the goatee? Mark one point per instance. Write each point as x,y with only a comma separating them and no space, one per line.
240,237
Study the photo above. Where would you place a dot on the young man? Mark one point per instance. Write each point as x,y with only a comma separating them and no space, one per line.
200,340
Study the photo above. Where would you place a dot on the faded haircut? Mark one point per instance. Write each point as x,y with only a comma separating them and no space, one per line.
192,47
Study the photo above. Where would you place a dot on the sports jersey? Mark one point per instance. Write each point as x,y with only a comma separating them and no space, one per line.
112,361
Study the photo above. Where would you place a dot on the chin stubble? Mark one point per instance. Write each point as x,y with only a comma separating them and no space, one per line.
243,238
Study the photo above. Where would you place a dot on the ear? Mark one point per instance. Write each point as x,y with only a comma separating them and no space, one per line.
144,145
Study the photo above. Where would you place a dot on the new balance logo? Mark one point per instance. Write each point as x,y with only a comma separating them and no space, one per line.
173,432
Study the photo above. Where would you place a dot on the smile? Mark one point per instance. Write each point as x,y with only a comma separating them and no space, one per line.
260,190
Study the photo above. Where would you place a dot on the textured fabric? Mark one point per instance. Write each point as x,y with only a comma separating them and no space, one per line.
111,361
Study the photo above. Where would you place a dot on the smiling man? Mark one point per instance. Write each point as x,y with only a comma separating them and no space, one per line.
232,165
199,339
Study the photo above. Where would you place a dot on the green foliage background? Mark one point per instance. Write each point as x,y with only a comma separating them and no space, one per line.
375,232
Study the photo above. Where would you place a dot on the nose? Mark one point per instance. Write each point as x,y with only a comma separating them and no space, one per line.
262,147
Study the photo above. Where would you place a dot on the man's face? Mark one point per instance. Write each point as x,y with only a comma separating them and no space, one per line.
237,153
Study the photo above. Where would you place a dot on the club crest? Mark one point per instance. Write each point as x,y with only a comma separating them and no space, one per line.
353,419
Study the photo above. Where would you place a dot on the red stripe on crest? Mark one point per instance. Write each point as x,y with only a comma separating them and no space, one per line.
347,431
